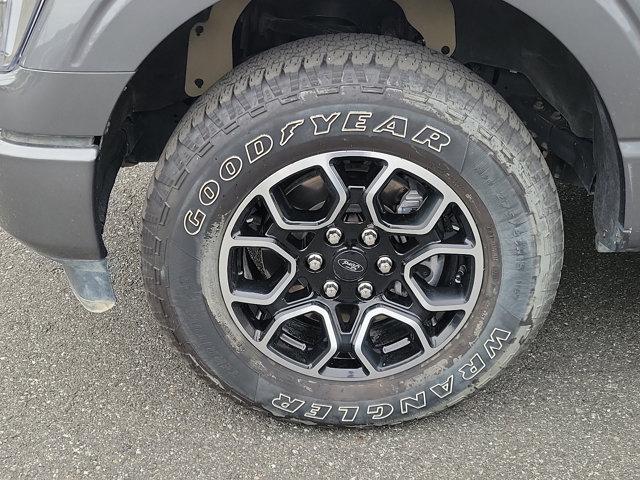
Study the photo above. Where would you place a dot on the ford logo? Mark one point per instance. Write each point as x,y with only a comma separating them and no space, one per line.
350,265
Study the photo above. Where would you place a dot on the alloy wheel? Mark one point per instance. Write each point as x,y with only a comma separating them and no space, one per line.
351,265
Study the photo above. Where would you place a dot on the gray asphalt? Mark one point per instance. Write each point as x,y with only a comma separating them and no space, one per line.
107,397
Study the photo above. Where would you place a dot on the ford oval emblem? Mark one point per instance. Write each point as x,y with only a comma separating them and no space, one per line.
350,265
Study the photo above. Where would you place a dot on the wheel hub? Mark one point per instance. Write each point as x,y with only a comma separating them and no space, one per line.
356,284
350,265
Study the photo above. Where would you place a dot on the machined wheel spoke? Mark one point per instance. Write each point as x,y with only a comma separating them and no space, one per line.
346,335
335,183
284,301
435,213
278,233
364,353
443,299
434,206
287,315
296,242
467,248
257,297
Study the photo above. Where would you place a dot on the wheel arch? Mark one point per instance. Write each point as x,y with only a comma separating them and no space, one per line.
610,98
110,35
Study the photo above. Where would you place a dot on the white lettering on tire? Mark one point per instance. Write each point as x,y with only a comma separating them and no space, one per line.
318,411
209,192
416,402
356,121
194,221
287,404
473,368
380,411
494,344
349,414
433,138
230,168
442,390
258,147
262,145
395,125
322,124
288,130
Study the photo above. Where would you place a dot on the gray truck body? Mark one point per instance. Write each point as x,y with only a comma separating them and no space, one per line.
80,56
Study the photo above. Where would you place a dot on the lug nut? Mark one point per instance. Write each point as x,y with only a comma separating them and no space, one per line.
331,289
369,237
314,262
384,264
365,290
334,235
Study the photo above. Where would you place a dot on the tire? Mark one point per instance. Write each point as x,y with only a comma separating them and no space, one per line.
353,93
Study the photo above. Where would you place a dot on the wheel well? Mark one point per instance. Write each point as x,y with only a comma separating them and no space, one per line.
531,68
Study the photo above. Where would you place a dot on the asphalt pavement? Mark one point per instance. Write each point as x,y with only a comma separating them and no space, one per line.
85,396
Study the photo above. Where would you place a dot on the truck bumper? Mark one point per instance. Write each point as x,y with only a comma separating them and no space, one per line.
47,202
47,171
46,198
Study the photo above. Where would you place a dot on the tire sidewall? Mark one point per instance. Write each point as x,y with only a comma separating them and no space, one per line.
471,167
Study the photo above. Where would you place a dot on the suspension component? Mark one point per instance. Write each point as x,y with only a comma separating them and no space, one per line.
460,274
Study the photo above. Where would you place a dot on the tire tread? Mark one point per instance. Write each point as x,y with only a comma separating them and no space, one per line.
376,64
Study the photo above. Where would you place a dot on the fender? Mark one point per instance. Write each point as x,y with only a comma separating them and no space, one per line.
115,36
101,27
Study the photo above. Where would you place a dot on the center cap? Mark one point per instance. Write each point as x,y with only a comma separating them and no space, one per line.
350,265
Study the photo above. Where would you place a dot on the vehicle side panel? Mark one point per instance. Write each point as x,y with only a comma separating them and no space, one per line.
116,36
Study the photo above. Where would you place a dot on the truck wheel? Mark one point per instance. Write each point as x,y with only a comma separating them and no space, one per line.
351,230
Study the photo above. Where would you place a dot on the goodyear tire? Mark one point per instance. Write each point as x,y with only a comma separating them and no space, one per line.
351,133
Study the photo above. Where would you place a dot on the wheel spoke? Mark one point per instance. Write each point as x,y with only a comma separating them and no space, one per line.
335,183
278,233
431,212
444,300
467,248
281,318
255,297
283,301
435,213
360,339
346,328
